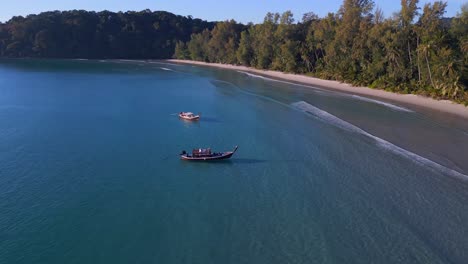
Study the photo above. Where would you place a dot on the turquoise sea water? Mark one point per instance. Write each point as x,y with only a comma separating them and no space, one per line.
89,171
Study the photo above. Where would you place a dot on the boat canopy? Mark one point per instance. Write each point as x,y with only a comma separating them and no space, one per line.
201,152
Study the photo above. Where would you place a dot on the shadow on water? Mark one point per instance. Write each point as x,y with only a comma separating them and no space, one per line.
239,161
224,162
210,119
247,161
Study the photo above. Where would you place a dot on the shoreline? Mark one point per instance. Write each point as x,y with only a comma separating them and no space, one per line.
444,106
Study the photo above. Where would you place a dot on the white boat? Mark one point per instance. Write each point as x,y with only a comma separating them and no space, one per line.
189,116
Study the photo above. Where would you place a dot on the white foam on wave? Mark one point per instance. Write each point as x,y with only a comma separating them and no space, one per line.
392,106
327,117
285,82
389,105
252,75
221,81
139,61
168,69
172,70
337,122
165,63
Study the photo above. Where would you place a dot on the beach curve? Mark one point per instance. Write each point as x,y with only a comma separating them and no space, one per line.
444,106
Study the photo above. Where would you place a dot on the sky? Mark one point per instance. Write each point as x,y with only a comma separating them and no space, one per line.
212,10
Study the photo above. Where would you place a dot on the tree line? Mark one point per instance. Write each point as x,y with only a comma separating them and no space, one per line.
83,34
416,50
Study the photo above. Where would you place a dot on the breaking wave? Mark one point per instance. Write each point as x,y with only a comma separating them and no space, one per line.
392,106
221,81
337,122
280,81
165,63
252,75
134,61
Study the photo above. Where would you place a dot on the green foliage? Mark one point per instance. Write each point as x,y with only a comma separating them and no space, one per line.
415,51
288,54
459,35
198,46
412,52
245,51
223,42
181,52
82,34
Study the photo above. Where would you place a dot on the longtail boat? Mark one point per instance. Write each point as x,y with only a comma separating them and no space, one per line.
189,116
206,155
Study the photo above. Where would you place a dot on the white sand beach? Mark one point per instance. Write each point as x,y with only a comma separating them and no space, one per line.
409,99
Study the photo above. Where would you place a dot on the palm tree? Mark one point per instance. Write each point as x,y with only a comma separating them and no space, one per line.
424,49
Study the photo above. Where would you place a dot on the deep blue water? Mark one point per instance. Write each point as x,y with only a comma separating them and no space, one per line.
89,171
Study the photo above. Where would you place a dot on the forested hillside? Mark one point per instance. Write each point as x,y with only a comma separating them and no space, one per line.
82,34
415,51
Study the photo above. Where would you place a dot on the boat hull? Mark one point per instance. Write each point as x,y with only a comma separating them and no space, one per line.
195,118
212,158
219,156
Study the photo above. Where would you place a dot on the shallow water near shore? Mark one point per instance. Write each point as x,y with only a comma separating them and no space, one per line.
89,171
